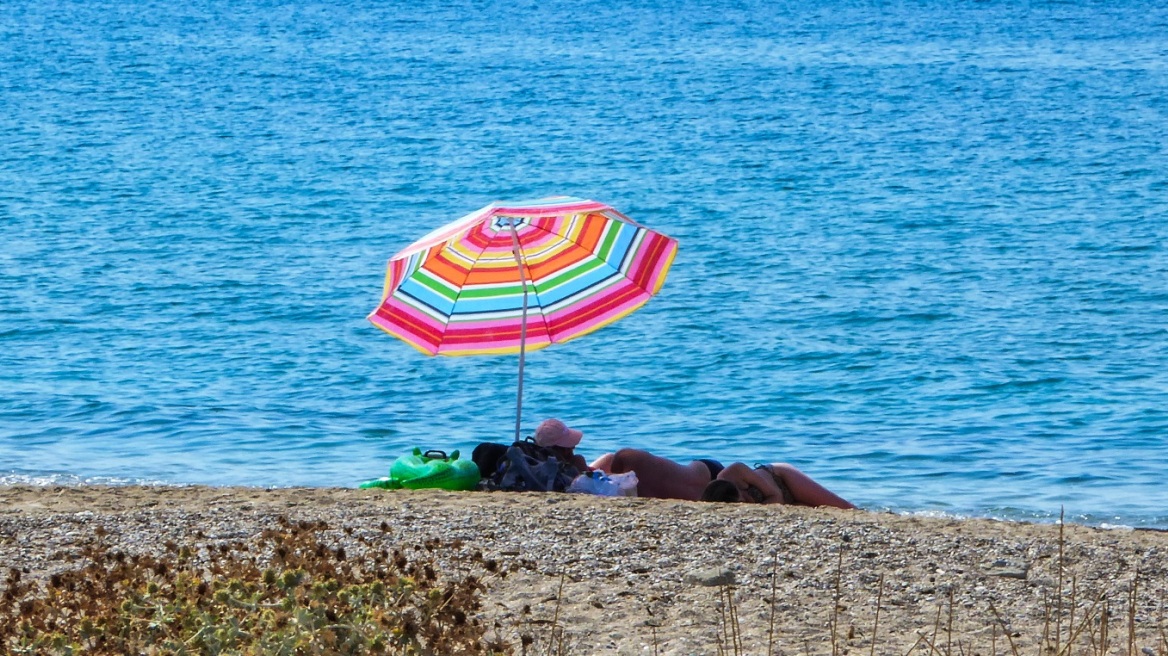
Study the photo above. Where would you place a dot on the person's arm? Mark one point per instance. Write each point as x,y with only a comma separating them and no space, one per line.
804,490
753,486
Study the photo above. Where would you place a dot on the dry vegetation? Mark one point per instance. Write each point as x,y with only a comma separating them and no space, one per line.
284,593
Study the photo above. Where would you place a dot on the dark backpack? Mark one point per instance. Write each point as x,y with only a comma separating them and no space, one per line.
523,467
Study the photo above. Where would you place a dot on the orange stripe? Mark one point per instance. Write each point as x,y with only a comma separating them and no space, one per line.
491,276
443,267
556,263
592,231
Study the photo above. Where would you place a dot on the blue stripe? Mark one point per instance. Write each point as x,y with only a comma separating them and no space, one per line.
622,244
424,294
577,285
514,302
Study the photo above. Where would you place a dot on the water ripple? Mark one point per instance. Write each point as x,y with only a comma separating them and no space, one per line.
921,248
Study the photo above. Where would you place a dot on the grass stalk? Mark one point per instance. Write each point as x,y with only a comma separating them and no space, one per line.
936,628
1071,611
774,585
736,632
933,647
1074,634
1105,619
1160,627
719,630
915,645
1131,613
839,569
556,615
949,626
1005,629
1046,613
875,624
1058,617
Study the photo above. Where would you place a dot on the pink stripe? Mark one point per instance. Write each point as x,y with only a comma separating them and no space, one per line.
585,315
506,329
603,319
657,264
396,330
533,343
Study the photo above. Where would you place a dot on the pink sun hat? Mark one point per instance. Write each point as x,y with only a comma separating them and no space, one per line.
553,432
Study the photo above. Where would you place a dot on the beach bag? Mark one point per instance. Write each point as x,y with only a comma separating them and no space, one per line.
523,467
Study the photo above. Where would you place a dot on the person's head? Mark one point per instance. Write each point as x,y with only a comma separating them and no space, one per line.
554,433
721,491
487,456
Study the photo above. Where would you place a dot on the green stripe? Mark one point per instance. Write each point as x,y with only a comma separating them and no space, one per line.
491,292
426,279
609,239
565,276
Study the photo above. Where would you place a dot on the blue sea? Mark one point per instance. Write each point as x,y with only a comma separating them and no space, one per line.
923,245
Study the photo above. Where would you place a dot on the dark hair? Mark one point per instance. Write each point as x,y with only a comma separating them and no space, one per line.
721,491
487,456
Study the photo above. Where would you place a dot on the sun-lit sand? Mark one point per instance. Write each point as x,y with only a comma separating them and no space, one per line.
632,570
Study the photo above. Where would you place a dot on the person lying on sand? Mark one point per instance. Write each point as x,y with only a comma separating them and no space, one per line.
774,483
662,478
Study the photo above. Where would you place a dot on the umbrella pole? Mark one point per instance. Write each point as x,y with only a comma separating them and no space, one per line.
522,326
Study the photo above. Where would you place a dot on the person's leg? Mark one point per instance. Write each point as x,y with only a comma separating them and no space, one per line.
805,490
659,477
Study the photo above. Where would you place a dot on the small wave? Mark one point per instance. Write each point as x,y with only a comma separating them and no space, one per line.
72,480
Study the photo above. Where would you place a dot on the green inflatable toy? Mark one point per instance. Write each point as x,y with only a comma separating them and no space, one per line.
432,469
385,483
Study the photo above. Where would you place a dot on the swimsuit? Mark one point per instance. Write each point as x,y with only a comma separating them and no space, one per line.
788,498
714,466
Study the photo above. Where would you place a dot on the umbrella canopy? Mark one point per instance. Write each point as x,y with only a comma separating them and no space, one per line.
518,276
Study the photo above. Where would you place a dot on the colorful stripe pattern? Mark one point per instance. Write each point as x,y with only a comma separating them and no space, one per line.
457,290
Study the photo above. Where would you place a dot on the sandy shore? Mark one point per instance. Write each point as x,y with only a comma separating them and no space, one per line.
632,568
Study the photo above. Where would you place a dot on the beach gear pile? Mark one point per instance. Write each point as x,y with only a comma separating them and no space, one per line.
522,466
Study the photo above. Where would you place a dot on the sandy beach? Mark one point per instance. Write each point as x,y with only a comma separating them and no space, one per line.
643,575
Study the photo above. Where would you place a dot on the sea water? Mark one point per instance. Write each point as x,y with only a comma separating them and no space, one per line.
922,244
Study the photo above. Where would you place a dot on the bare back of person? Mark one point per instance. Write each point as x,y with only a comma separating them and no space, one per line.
657,477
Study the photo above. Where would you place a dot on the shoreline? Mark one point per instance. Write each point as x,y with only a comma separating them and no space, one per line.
629,567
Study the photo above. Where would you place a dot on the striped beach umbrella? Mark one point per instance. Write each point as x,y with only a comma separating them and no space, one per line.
519,276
